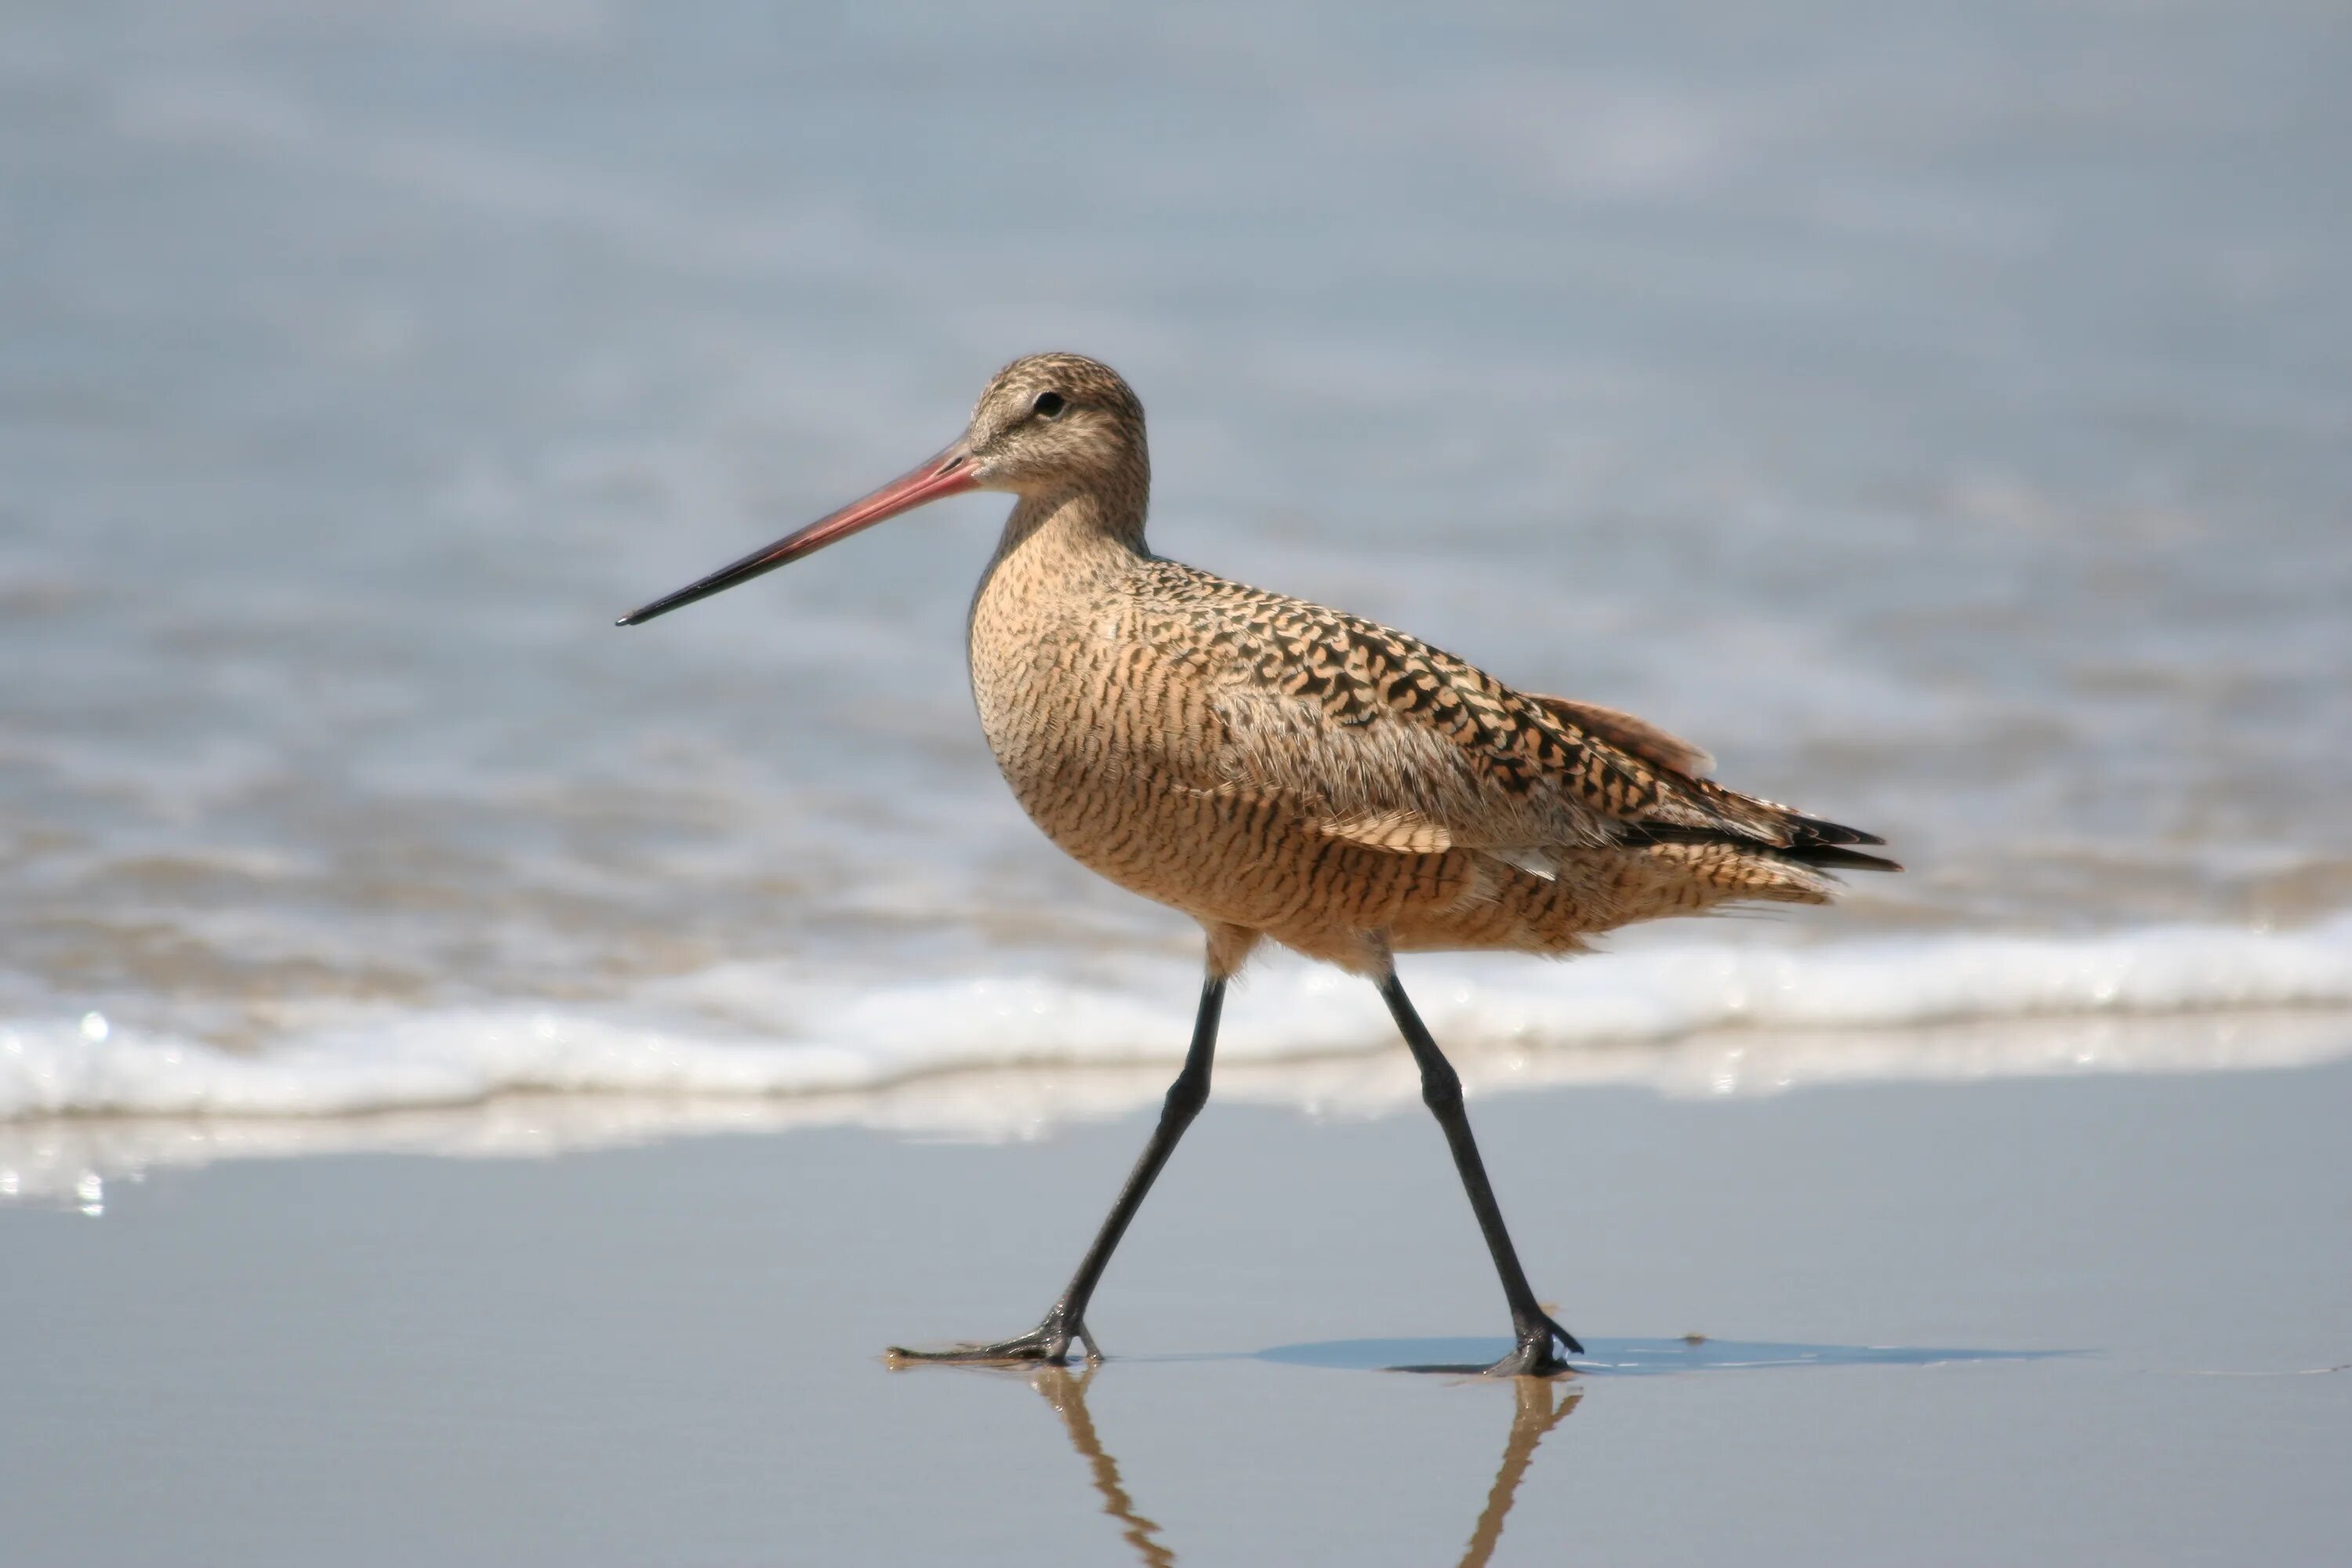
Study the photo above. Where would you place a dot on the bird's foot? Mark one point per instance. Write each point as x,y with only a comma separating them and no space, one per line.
1048,1343
1532,1356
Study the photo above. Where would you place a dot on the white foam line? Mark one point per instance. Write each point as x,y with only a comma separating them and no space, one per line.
983,1056
74,1160
794,1035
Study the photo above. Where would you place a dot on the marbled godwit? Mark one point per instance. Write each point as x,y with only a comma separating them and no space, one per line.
1279,770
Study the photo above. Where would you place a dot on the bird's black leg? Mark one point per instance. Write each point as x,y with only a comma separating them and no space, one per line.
1066,1319
1441,1090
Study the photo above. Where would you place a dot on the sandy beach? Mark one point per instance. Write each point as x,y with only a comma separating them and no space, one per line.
2097,1319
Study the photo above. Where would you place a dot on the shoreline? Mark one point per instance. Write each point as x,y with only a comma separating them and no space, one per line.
71,1160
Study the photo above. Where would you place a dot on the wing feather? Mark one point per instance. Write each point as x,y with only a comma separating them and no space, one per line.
1634,735
1383,739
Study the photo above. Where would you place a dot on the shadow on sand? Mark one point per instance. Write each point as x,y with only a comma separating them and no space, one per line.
1624,1358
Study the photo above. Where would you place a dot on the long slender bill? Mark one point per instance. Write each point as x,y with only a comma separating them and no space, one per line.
945,475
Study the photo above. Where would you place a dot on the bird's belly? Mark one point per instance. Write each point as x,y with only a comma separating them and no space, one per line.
1226,859
1152,822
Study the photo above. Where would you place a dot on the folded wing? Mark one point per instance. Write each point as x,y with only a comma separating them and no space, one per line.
1381,740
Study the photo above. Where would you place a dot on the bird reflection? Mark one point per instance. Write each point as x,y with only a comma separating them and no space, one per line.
1066,1391
1542,1404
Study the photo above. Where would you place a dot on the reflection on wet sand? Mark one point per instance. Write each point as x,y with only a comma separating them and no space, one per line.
1542,1404
1066,1391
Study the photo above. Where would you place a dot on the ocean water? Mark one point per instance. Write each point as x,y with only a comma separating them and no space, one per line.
1942,418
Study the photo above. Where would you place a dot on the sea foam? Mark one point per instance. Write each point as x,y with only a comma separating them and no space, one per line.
85,1103
795,1034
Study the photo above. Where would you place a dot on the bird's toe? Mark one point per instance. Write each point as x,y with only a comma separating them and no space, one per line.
1533,1356
1048,1343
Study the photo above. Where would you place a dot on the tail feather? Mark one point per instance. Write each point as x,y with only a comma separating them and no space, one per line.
1699,811
1830,857
1812,830
1814,842
1805,840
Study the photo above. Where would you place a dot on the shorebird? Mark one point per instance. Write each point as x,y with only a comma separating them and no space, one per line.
1282,771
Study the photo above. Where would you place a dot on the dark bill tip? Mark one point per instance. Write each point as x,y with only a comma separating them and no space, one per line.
947,474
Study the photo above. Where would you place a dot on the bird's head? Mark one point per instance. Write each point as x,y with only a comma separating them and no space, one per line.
1048,424
1052,423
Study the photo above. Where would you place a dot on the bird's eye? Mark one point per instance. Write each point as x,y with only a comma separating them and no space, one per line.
1049,405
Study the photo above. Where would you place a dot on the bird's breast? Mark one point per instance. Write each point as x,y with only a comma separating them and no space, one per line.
1107,743
1066,694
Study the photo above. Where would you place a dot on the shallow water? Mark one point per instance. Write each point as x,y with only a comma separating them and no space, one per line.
1942,419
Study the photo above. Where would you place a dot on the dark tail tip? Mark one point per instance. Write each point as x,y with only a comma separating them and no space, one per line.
1807,831
1830,857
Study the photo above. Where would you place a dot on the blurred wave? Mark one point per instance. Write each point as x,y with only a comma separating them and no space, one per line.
995,1058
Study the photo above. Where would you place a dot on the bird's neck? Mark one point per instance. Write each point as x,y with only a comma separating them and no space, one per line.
1070,538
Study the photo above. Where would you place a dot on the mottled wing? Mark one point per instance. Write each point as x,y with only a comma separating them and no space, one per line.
1635,736
1390,742
1385,740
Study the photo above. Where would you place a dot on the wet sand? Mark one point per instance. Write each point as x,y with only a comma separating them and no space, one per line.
2109,1315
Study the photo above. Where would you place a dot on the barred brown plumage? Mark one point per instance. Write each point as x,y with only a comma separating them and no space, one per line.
1281,771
